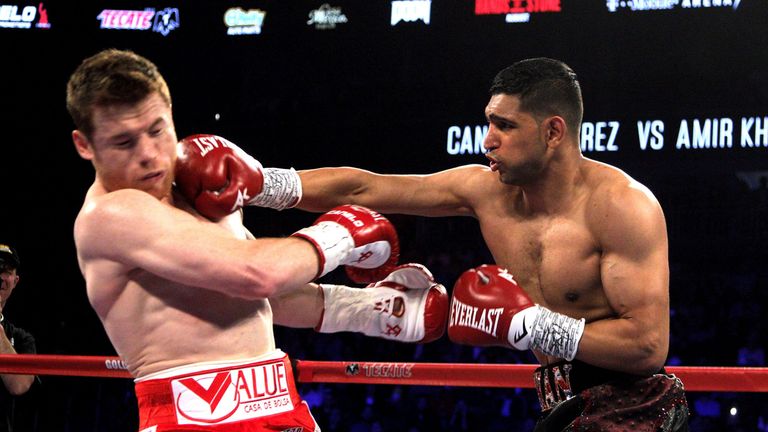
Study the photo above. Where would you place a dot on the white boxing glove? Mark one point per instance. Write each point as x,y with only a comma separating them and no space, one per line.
406,306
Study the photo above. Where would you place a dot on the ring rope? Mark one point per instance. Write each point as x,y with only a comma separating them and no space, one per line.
51,364
695,378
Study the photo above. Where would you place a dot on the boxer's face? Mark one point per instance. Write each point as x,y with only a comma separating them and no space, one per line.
515,143
133,146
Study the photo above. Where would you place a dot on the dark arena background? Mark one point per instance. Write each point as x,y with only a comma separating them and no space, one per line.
675,92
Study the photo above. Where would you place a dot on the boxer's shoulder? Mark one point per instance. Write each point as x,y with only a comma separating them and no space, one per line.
112,222
472,178
622,211
116,208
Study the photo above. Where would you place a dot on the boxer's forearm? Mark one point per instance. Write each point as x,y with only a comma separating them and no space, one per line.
623,345
301,308
325,188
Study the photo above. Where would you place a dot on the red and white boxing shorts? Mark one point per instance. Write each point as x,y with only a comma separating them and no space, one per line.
256,395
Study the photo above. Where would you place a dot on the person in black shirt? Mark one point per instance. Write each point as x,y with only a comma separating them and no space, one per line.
13,340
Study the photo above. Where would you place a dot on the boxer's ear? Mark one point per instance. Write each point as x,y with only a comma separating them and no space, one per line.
82,144
555,130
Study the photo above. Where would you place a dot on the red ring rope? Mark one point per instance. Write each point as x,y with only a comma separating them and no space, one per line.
727,379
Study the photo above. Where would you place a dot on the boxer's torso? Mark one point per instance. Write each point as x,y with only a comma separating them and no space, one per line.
155,324
555,256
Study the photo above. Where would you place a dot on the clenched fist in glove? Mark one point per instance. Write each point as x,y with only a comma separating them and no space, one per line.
489,308
218,177
355,236
407,306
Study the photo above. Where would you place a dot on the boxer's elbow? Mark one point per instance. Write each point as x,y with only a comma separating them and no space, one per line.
251,283
265,285
266,282
651,353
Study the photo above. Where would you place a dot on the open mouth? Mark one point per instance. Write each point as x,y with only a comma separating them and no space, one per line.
492,164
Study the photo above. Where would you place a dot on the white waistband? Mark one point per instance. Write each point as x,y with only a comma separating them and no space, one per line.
202,366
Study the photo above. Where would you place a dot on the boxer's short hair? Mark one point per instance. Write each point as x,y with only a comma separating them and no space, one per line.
545,87
111,77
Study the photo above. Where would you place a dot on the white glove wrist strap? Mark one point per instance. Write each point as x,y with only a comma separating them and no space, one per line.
377,311
556,334
334,243
342,309
281,190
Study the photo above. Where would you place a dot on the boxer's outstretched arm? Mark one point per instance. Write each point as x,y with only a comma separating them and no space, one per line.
136,231
300,308
635,275
407,305
445,193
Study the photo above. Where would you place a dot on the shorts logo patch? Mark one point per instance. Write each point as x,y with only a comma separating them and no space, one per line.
234,395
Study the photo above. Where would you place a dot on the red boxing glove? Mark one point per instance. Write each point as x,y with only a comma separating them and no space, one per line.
407,306
218,178
489,308
355,236
485,301
213,177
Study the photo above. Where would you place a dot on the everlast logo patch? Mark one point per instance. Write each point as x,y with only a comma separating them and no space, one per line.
208,143
485,320
235,395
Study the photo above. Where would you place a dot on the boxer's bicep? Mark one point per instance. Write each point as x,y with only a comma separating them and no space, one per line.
634,268
635,271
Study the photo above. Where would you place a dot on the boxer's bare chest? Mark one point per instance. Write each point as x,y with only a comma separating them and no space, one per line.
556,259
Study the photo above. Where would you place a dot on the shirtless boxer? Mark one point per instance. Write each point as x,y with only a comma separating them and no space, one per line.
585,241
184,299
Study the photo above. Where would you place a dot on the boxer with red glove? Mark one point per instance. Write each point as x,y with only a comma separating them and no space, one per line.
355,236
406,306
489,308
218,177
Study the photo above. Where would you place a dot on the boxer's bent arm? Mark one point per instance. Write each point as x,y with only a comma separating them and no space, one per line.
635,277
136,230
300,308
445,193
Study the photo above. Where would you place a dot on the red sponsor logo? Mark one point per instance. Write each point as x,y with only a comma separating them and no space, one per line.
387,370
502,7
235,395
126,19
189,403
